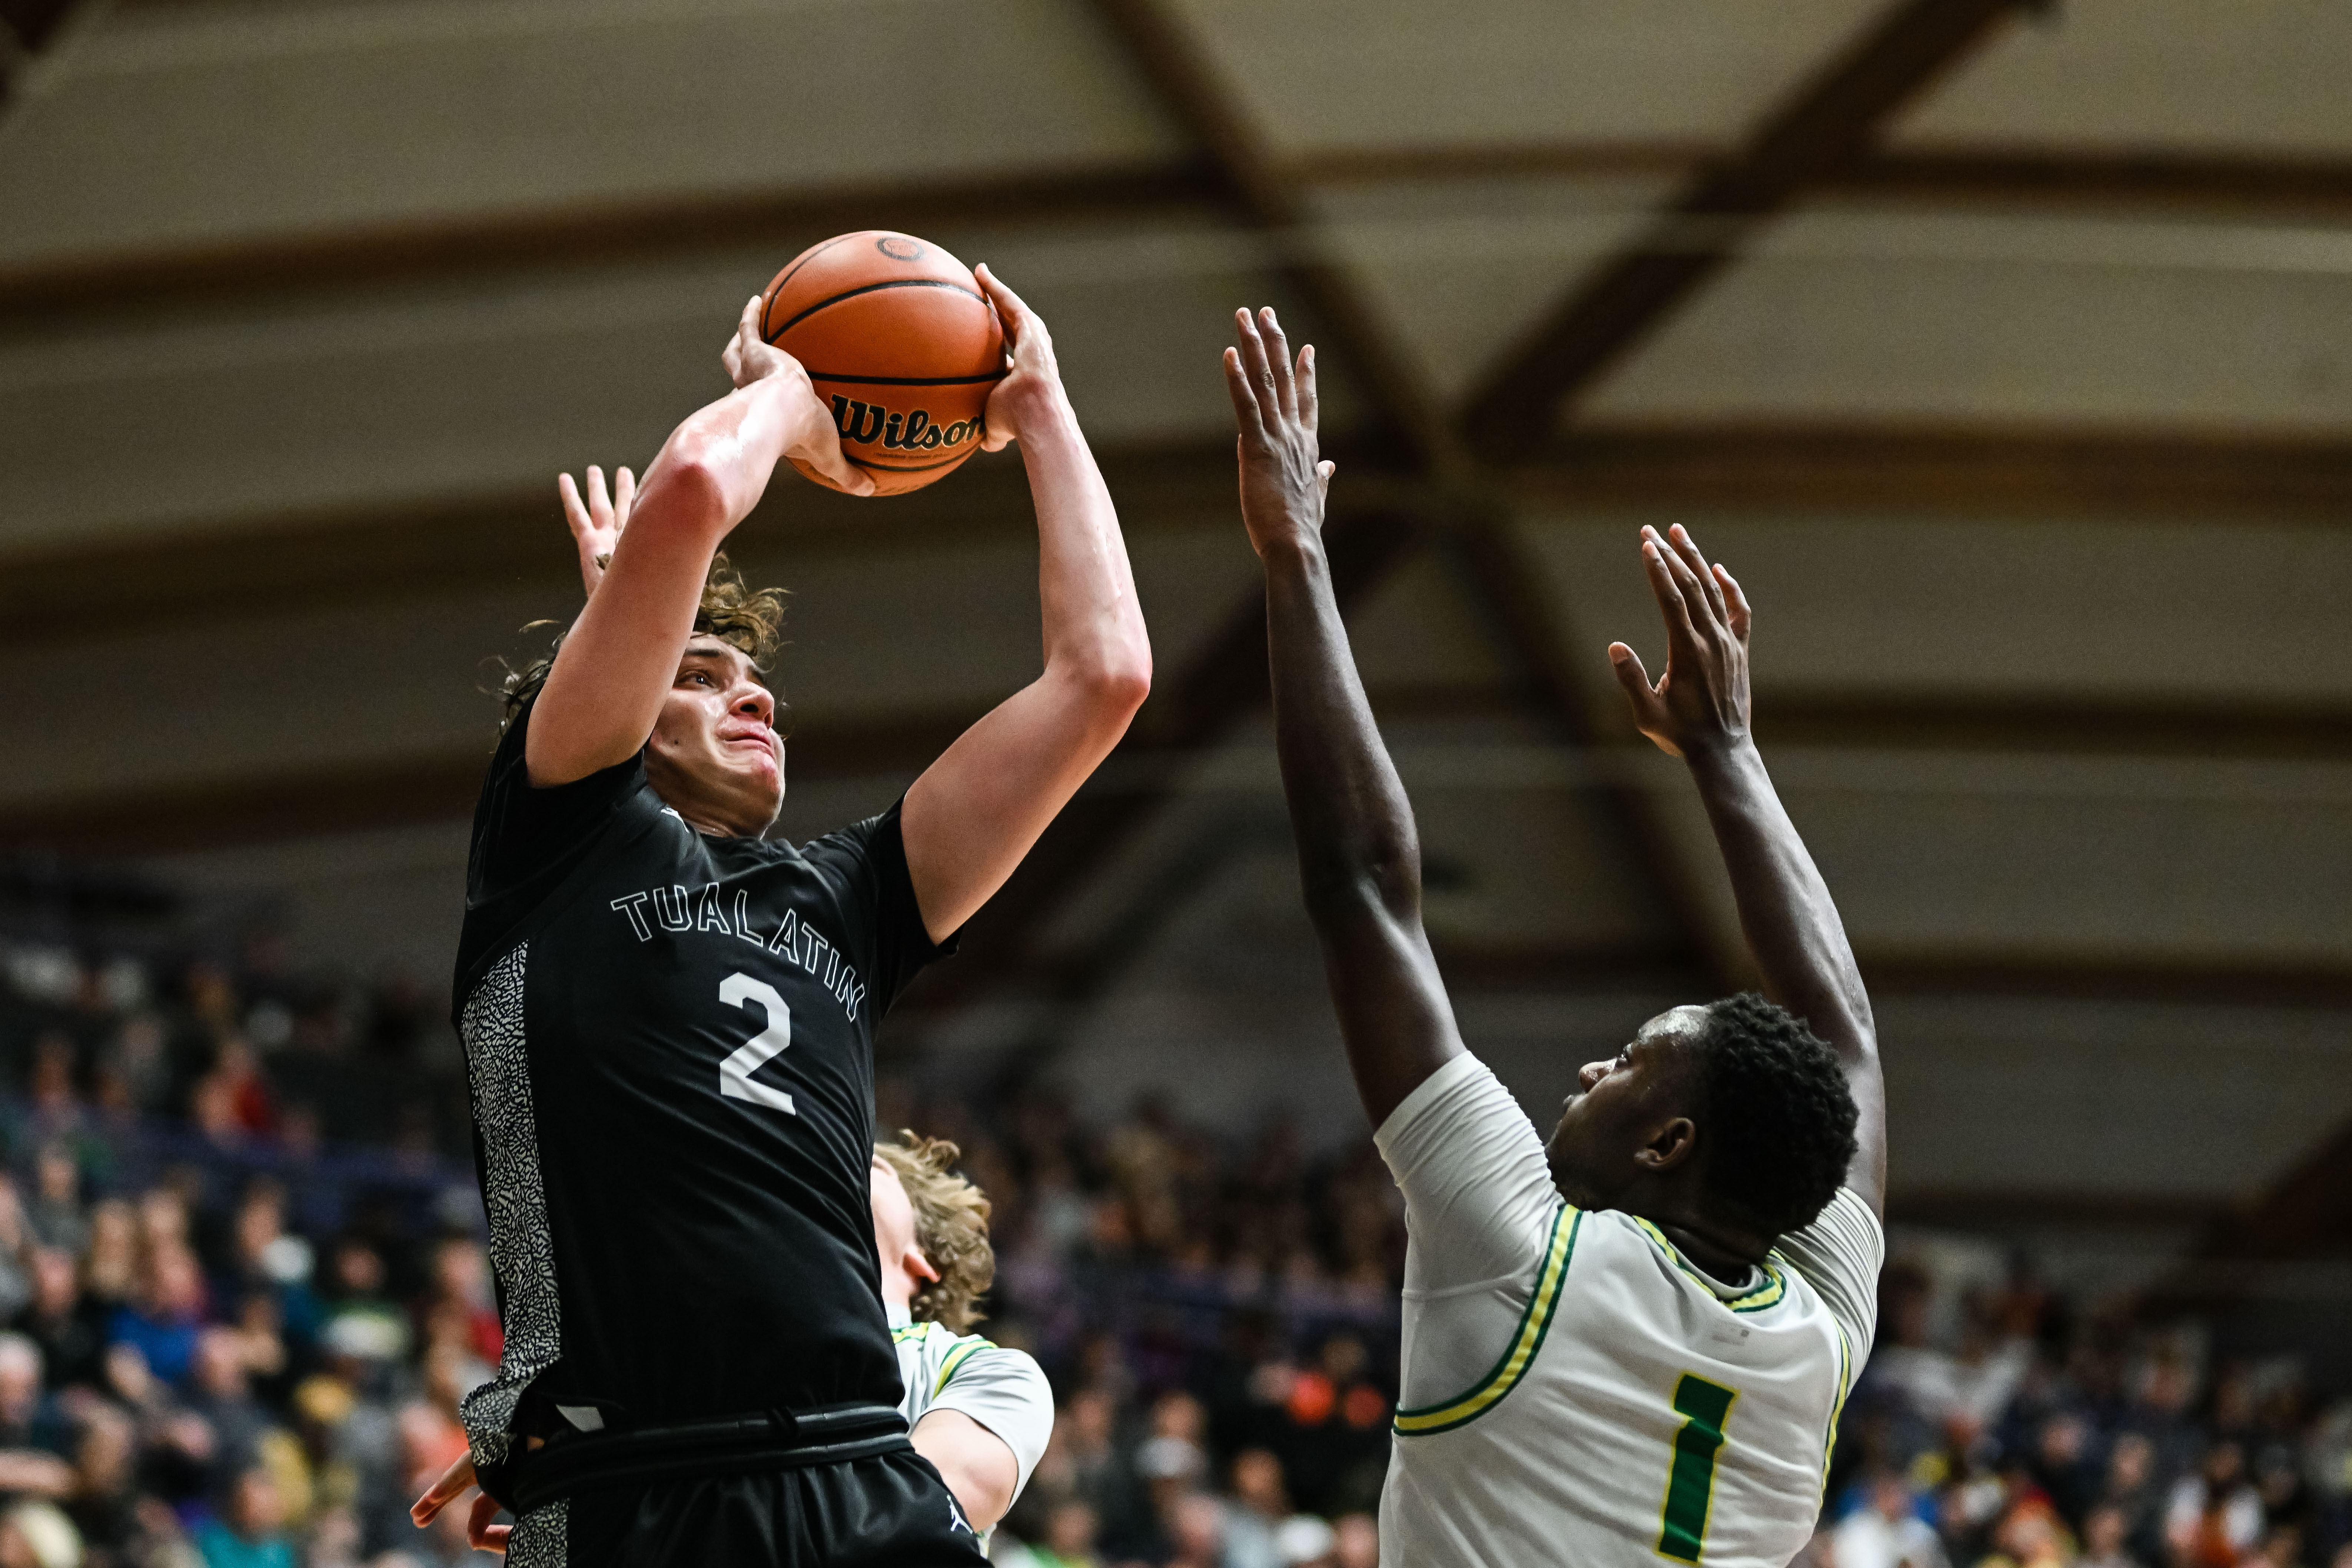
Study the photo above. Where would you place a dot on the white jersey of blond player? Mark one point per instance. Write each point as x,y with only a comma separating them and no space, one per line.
1574,1391
1003,1389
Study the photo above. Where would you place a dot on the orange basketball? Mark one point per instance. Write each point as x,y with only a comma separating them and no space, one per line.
901,344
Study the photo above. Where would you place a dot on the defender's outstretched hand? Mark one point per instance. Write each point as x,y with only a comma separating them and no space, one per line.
1359,854
1284,480
1034,380
1700,703
596,523
810,433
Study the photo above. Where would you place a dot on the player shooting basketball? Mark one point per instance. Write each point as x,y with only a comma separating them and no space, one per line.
668,1019
1635,1343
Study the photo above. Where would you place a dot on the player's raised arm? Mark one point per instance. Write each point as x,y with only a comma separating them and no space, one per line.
975,812
1698,712
1358,855
606,687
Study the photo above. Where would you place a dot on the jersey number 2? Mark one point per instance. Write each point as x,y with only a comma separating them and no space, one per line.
1690,1485
735,1072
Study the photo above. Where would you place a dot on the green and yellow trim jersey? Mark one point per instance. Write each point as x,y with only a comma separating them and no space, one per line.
1003,1389
1576,1390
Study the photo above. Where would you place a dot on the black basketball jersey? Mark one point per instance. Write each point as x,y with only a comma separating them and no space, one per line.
670,1039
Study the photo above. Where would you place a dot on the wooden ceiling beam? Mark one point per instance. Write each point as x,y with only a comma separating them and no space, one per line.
2071,725
1824,128
2067,724
30,24
260,565
1959,173
2267,185
53,292
1951,467
250,567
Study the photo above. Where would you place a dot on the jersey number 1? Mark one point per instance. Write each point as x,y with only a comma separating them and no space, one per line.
735,1072
1690,1485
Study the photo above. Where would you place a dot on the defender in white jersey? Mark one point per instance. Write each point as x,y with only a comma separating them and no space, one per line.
1633,1342
980,1413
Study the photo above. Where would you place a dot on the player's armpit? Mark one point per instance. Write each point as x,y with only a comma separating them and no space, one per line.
977,1465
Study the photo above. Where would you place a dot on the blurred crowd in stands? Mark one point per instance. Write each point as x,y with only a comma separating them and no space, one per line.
2034,1436
244,1287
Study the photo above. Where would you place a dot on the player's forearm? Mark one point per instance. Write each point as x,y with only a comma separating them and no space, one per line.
1785,908
1094,640
716,466
605,689
1358,855
1357,845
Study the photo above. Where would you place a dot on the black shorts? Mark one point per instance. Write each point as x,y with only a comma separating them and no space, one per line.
891,1510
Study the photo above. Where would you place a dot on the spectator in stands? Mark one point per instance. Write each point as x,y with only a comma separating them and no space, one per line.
1196,1533
2215,1516
1069,1538
2134,1495
110,1268
220,1392
162,1319
1356,1541
1885,1530
36,1534
251,1532
71,1334
460,1309
30,1433
361,1323
2106,1534
1260,1505
56,1216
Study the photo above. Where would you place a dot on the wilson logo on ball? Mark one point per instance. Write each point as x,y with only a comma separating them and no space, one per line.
897,337
914,432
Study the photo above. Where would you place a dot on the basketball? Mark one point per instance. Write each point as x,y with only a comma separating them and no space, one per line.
900,343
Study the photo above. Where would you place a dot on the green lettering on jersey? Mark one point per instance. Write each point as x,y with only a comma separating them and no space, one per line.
1690,1484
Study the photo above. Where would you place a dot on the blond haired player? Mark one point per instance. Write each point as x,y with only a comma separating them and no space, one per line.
978,1412
1632,1344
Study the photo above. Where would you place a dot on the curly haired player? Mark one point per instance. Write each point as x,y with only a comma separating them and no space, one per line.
978,1412
668,1019
1634,1343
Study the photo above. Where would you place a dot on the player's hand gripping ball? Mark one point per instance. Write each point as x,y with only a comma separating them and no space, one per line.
899,342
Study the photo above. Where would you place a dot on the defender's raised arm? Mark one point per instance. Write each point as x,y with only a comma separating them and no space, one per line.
1358,856
1697,711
